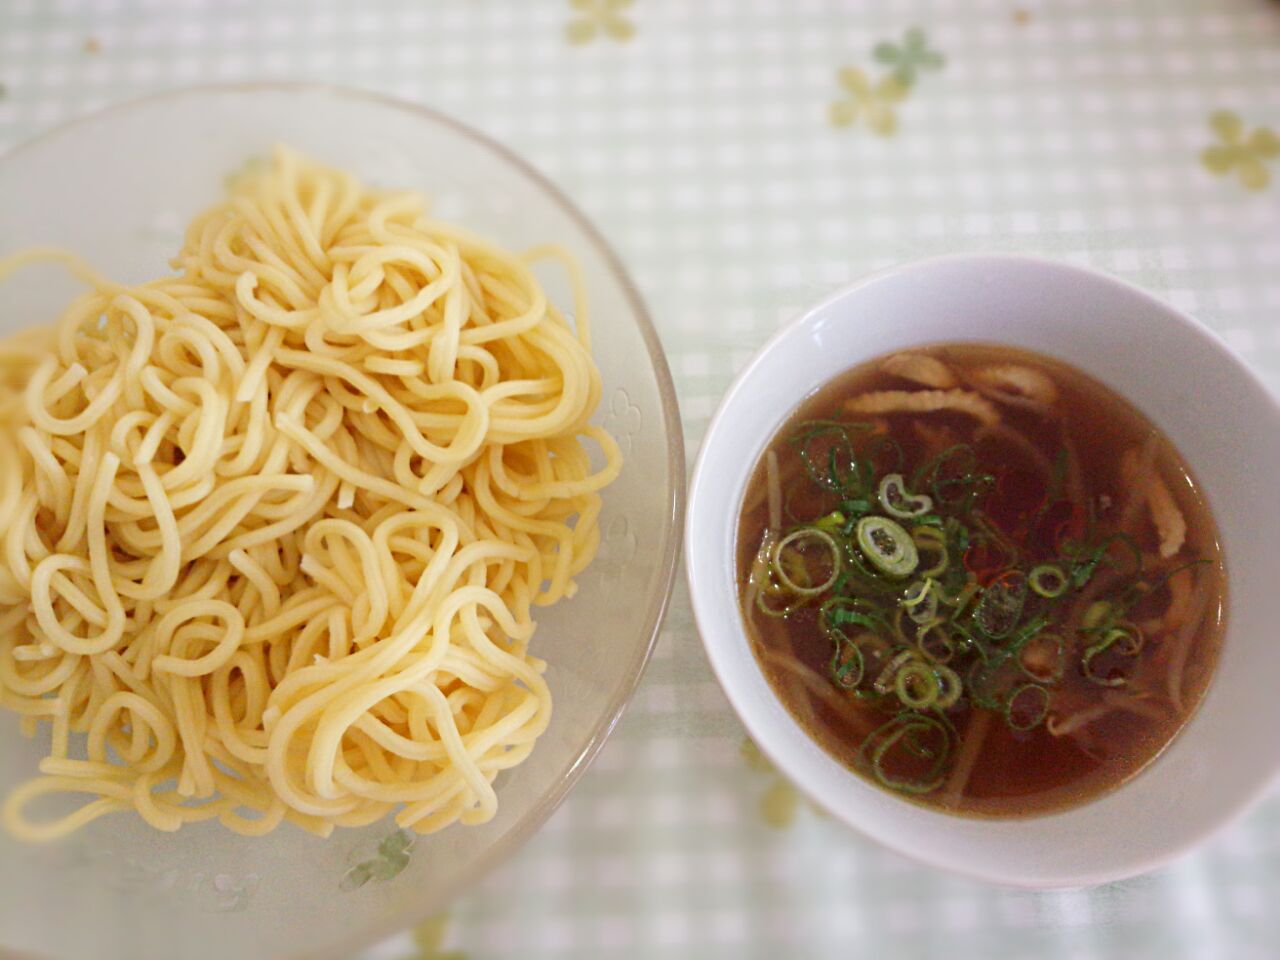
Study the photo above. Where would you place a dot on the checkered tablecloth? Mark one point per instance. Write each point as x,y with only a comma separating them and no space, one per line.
745,157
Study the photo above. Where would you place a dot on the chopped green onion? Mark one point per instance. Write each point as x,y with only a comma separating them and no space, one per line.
958,535
951,687
769,610
1123,641
931,540
1026,715
848,662
900,629
928,471
921,600
870,578
1084,569
952,477
897,502
840,612
887,545
848,666
885,682
1048,580
1164,578
832,522
1026,631
855,508
917,593
912,731
916,685
838,470
1126,638
933,642
796,540
1000,606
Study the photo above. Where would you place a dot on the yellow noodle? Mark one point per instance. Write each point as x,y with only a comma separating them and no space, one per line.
272,528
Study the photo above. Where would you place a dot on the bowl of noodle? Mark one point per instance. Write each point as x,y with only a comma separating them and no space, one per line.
334,435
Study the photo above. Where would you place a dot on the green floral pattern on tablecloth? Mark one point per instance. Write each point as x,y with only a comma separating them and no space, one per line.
780,800
873,101
910,58
600,18
1240,151
429,939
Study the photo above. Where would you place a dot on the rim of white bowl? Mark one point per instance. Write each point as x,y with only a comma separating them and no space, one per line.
671,539
720,658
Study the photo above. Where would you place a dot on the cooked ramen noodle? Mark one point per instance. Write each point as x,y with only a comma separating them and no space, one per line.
273,528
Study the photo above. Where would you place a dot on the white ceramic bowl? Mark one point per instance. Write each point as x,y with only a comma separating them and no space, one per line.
118,187
1205,399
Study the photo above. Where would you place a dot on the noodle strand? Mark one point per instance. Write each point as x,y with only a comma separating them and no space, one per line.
272,528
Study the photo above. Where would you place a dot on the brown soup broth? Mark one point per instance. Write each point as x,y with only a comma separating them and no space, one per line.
1076,475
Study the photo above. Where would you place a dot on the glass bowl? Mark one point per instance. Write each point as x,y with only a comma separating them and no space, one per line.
118,188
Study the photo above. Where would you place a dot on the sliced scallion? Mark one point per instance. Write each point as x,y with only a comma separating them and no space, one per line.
1000,607
768,603
897,502
1048,580
838,613
950,687
1027,706
931,542
916,685
887,546
848,665
832,522
795,542
1126,638
1118,641
921,600
826,451
933,641
919,737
